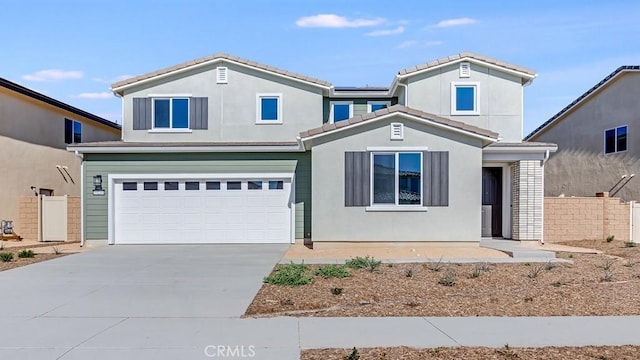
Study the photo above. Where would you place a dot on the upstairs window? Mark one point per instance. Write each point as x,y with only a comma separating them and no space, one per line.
269,109
464,98
615,140
171,113
397,178
340,111
377,105
72,132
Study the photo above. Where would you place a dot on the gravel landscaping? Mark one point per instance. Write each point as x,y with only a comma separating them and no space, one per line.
593,284
17,261
477,353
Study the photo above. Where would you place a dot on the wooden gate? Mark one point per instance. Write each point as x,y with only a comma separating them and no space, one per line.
54,218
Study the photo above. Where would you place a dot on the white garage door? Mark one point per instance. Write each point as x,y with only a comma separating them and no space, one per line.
173,211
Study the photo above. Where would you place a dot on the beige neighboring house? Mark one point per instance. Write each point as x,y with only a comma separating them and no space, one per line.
34,133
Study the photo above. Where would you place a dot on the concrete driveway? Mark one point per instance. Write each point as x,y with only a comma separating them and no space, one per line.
139,302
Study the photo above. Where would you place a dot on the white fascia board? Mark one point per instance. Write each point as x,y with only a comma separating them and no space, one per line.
519,149
523,75
182,149
213,61
406,116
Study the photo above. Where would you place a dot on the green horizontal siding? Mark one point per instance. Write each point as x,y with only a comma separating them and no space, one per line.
95,207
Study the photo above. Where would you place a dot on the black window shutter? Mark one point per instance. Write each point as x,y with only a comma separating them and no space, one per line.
198,113
68,131
436,178
141,113
357,178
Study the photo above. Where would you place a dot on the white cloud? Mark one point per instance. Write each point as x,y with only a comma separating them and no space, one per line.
53,75
112,80
398,30
455,22
336,21
415,43
94,96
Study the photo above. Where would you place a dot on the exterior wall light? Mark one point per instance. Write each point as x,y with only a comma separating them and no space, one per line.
97,186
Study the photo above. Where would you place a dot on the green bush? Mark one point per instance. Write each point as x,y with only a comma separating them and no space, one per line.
290,275
610,238
27,253
630,244
6,257
367,262
332,271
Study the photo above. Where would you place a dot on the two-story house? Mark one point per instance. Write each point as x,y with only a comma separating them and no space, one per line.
595,135
34,132
227,150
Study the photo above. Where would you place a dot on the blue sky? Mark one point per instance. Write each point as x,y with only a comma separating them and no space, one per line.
73,50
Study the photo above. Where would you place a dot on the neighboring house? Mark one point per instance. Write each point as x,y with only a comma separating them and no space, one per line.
596,137
34,133
226,150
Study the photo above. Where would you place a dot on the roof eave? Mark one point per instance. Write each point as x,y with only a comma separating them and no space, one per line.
181,149
526,76
119,89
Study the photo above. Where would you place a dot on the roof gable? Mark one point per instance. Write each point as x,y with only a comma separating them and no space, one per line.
212,59
412,114
59,104
524,73
584,98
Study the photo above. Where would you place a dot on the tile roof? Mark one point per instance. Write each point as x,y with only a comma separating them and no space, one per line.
398,109
178,144
469,55
220,56
59,104
597,86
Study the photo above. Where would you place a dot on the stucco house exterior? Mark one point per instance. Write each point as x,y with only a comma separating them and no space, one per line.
226,150
34,133
595,137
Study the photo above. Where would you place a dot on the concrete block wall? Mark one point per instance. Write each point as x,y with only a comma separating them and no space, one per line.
27,227
27,224
580,218
527,200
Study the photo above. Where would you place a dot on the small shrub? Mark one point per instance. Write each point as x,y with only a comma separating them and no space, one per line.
607,276
26,253
550,265
570,256
630,263
354,355
6,257
477,271
448,278
485,266
535,271
557,283
56,250
290,275
528,299
367,262
336,291
608,264
389,265
332,271
630,244
409,272
610,238
435,266
412,304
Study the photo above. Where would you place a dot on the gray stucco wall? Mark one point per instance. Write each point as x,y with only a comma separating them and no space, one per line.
104,164
460,221
580,167
500,99
232,106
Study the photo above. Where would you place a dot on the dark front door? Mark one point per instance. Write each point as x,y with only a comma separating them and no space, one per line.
492,195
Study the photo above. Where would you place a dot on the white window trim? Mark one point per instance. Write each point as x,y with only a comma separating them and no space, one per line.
456,84
369,103
332,103
170,128
615,135
397,206
259,97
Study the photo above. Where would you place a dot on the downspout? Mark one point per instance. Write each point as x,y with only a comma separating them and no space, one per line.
79,155
544,160
406,93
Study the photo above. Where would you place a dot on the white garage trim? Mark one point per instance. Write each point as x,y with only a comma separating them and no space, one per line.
112,178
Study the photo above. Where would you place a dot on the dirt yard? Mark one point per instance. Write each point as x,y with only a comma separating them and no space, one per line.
593,284
478,353
17,261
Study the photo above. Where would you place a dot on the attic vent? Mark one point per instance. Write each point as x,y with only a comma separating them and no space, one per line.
221,75
465,70
397,131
